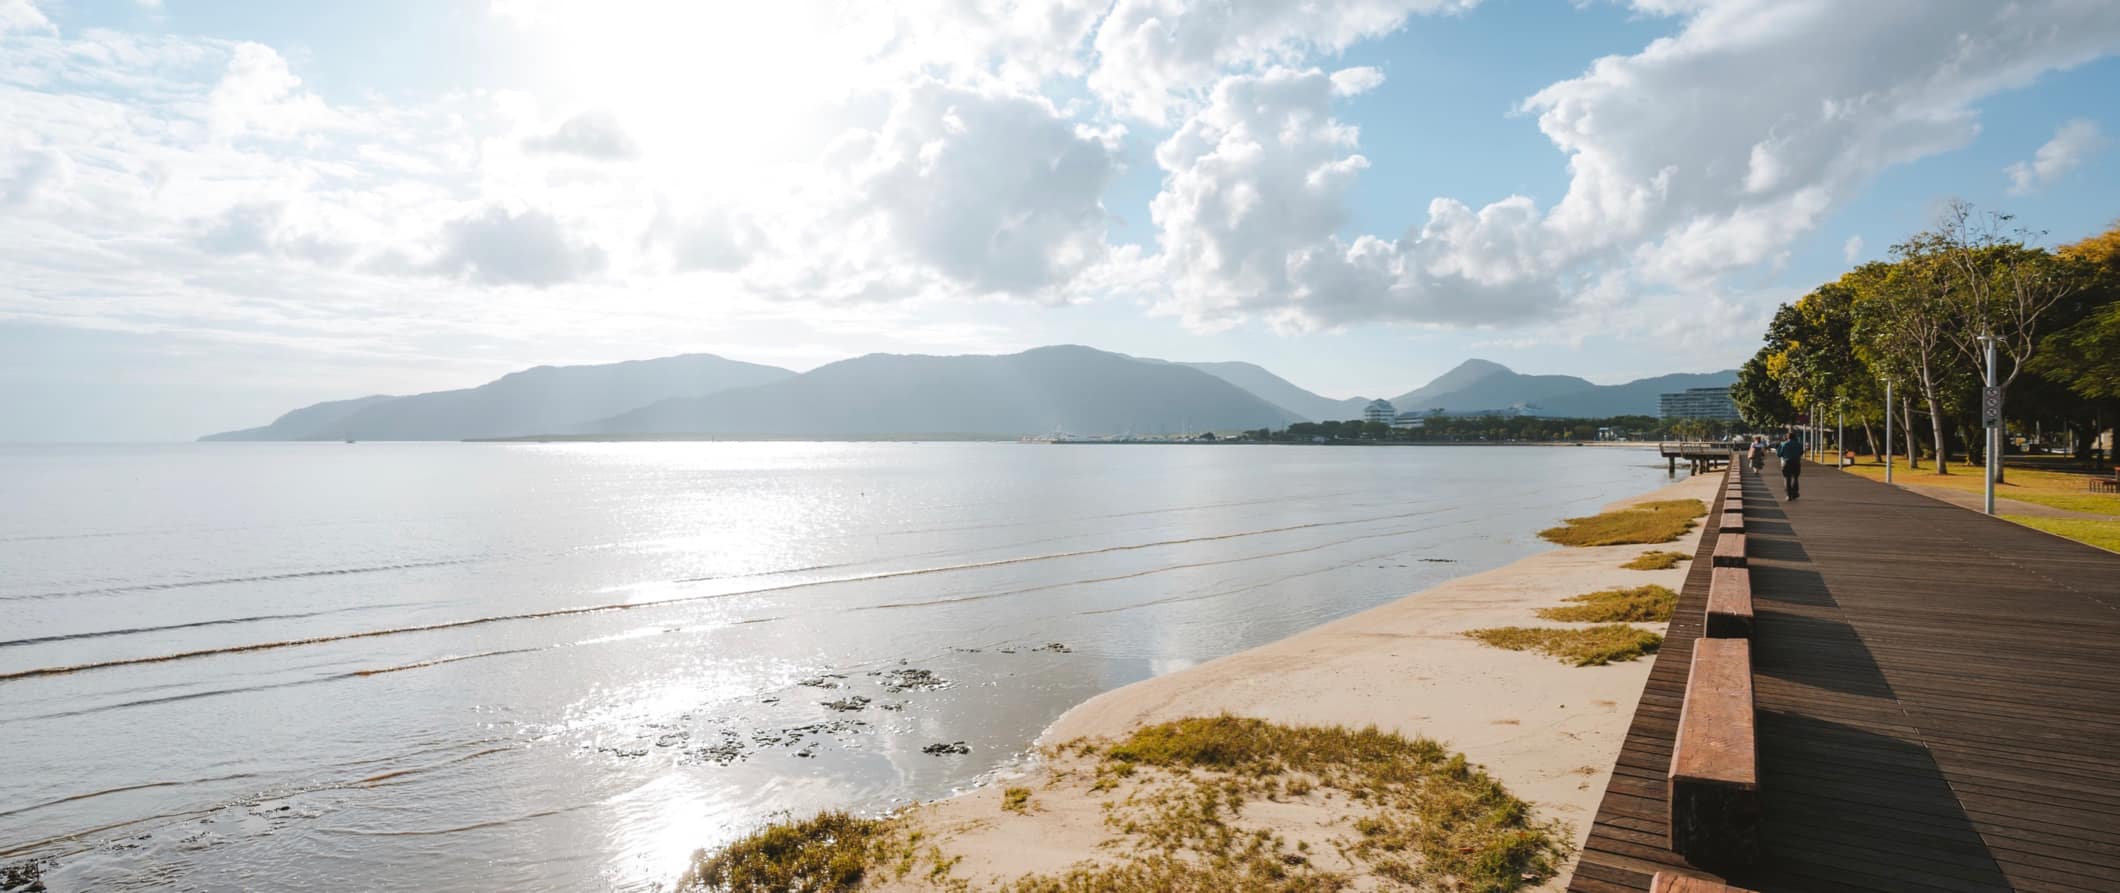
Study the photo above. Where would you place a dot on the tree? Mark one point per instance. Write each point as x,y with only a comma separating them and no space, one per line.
1907,323
1759,397
2005,290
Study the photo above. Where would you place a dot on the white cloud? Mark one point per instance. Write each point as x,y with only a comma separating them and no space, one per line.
1851,250
1254,201
502,247
1156,57
2073,141
260,96
593,135
1707,152
22,16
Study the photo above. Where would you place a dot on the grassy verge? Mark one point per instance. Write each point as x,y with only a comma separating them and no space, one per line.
1584,647
1639,604
2055,489
1646,523
1416,816
829,853
1656,560
2103,534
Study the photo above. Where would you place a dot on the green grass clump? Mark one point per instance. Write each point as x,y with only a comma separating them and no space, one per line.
1638,605
1641,524
1420,816
2103,534
1656,560
1431,819
1584,647
829,853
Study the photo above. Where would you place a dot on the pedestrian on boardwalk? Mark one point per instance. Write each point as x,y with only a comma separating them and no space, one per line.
1758,452
1791,454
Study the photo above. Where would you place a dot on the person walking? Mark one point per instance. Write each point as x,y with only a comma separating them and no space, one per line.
1758,452
1791,454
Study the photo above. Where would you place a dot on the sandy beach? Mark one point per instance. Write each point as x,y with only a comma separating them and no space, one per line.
1548,731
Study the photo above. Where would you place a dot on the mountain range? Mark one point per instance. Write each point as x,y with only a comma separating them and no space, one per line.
1072,389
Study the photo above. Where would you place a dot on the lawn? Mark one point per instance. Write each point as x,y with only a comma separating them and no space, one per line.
2055,489
2103,534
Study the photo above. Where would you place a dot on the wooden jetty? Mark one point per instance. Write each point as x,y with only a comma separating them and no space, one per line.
1936,706
1701,455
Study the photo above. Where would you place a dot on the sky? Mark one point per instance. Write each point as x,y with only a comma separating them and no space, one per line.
214,212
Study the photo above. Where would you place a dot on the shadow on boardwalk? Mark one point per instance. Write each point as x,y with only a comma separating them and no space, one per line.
1938,696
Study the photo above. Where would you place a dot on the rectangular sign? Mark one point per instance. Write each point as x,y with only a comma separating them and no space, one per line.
1991,407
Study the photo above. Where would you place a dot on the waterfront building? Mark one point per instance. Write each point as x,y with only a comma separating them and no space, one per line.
1698,403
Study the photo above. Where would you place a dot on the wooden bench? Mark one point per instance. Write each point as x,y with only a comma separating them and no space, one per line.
1714,778
1730,550
1729,604
2106,485
1732,522
1666,882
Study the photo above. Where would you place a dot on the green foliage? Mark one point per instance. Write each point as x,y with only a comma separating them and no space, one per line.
1016,800
1646,523
829,853
1639,604
1656,561
2103,534
1582,646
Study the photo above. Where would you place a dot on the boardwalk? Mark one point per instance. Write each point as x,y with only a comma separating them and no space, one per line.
1938,699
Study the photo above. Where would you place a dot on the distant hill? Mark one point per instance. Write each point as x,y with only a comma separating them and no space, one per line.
1283,393
1483,386
1076,390
1638,397
1479,385
546,398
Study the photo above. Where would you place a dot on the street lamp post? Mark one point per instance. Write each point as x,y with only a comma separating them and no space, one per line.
1991,412
1887,430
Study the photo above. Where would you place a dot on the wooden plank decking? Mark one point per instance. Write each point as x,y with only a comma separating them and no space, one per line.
1938,696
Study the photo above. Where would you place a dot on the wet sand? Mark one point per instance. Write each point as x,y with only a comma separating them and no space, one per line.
1548,731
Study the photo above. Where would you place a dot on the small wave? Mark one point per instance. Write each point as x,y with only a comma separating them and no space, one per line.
226,621
120,790
260,578
474,826
443,660
627,606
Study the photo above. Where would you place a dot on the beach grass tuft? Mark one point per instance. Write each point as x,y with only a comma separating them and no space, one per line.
1016,800
1644,523
1583,646
1656,560
828,853
1422,816
1640,604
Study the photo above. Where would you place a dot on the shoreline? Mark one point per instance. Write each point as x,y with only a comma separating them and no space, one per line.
1548,731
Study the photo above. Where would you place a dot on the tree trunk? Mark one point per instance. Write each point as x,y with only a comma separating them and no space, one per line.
1906,430
1943,462
1870,437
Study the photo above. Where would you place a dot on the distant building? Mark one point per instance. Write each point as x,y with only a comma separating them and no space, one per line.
1380,411
1698,403
1409,420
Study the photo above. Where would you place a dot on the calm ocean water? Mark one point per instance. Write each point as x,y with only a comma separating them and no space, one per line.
483,666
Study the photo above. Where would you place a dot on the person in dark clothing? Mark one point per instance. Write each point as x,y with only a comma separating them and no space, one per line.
1790,451
1758,452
